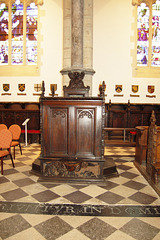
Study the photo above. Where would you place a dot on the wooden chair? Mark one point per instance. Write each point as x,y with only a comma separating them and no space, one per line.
5,146
16,132
2,126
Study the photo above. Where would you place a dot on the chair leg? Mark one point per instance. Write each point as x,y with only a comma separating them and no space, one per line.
20,148
2,165
14,153
12,160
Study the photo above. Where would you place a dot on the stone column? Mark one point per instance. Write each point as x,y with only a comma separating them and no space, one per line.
78,39
77,34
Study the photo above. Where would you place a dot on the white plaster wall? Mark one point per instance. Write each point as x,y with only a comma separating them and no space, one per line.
112,60
112,45
51,21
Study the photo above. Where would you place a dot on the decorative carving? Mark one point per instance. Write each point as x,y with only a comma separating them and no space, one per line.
76,79
56,113
76,86
71,169
43,89
88,114
102,88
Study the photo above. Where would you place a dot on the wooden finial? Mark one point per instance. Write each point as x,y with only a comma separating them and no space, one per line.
43,89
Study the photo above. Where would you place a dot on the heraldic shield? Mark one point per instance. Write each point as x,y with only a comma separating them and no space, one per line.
135,88
37,87
151,89
118,88
6,87
21,87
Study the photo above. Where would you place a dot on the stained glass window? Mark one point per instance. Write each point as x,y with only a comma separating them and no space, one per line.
3,34
156,34
18,33
31,39
148,35
142,35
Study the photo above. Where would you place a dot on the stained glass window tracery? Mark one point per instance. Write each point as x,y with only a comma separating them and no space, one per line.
18,39
3,34
148,34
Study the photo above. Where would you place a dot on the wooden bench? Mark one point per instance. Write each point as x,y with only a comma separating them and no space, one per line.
132,131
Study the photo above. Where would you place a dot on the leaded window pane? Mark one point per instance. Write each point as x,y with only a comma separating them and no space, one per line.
31,39
17,33
142,35
156,34
3,34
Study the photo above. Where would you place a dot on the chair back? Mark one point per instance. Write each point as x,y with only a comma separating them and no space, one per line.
16,131
2,126
5,138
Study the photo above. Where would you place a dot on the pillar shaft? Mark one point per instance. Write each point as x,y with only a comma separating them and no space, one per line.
77,34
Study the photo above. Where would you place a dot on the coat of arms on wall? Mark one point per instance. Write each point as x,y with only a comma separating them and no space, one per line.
21,87
53,89
135,88
151,89
37,87
118,88
53,86
6,87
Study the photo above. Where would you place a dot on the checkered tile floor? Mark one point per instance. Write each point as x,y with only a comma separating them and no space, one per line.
129,188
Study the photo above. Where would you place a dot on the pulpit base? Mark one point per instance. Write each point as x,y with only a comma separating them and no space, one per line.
109,170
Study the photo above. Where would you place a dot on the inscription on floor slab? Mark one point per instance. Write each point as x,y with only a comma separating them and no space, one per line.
81,210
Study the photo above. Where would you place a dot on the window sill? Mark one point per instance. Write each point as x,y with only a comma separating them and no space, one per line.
19,70
146,72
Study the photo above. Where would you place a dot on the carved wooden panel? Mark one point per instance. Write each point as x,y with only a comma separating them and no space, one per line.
58,125
85,132
158,145
20,117
72,128
135,119
34,122
119,119
8,118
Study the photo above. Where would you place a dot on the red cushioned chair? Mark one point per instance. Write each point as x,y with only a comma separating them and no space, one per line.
5,146
16,133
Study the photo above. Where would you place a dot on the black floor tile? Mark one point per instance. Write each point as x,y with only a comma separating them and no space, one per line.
96,229
140,230
53,228
13,225
77,197
142,198
45,196
110,197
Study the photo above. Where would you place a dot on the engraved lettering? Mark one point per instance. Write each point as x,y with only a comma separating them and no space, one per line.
156,210
58,208
145,211
92,209
115,210
130,211
69,209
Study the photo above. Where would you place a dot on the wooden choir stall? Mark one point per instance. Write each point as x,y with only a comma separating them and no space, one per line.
72,139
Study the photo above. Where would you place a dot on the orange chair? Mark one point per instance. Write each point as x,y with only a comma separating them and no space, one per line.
16,133
2,126
5,146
